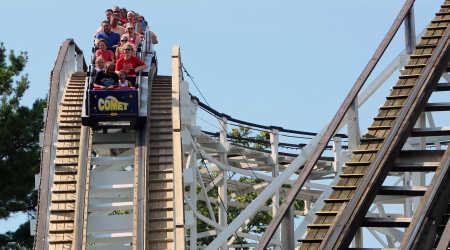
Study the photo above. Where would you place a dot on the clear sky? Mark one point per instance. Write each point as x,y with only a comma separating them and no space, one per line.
287,63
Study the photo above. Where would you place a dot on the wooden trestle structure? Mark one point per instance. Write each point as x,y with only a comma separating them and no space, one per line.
123,188
381,153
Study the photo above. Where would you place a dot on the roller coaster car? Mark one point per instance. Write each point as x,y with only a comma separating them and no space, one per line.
112,108
125,108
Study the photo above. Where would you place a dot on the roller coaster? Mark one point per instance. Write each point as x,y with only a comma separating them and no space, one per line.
136,169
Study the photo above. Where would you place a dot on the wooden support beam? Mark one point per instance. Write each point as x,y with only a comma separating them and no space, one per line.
177,76
386,222
422,132
401,190
437,107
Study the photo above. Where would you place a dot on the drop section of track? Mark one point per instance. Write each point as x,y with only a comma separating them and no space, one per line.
408,161
64,189
160,169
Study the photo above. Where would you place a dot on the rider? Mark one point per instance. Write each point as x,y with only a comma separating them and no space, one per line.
108,79
130,64
111,38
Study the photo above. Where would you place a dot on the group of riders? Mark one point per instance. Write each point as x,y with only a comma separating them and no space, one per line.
116,43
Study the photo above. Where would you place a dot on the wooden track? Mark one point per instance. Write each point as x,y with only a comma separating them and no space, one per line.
160,170
363,156
64,191
443,225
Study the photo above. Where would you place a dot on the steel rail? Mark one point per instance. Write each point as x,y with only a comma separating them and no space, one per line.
333,126
342,231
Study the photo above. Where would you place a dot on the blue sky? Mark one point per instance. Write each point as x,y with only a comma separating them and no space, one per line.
286,63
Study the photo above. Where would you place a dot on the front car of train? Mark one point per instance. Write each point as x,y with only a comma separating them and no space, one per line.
121,107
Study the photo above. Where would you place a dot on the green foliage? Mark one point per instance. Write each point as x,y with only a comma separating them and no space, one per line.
119,212
238,135
19,147
11,88
241,135
21,237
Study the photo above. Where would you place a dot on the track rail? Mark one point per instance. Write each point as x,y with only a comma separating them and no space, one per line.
160,168
365,173
64,190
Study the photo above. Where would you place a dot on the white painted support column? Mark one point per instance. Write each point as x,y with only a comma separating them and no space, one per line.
266,194
274,140
353,131
223,187
337,153
194,198
432,124
408,204
421,123
194,108
416,179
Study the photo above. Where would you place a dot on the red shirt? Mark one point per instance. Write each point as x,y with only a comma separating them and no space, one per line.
128,65
107,55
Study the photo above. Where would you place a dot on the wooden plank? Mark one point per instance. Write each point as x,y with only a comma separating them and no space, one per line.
420,132
83,163
176,81
437,107
386,222
177,149
401,190
443,87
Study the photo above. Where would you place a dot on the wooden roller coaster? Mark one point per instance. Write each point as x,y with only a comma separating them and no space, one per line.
114,186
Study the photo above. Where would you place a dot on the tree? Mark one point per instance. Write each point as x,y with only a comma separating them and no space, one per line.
19,148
